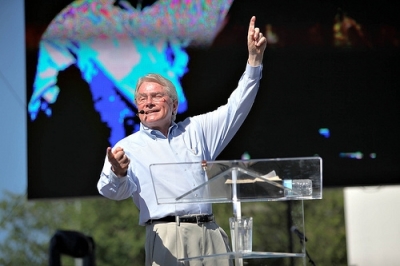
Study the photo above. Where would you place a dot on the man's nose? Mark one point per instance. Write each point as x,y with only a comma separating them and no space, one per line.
149,99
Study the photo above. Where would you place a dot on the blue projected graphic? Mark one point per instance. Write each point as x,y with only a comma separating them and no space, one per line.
352,155
324,132
114,45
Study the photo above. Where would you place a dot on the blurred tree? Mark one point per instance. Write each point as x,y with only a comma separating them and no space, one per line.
27,227
325,228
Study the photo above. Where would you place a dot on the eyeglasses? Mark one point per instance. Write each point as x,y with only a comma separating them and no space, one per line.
155,97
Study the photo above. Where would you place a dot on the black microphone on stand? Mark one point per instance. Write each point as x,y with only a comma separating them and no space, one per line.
298,233
302,236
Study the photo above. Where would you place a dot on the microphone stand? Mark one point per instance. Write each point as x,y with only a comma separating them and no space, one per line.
303,239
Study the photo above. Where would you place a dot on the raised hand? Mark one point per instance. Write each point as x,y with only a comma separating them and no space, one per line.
256,43
118,160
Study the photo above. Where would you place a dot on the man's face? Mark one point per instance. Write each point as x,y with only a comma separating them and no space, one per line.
157,106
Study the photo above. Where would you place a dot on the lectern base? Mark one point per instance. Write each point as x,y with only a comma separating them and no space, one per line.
247,255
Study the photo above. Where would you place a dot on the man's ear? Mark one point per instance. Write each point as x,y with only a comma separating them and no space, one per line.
174,107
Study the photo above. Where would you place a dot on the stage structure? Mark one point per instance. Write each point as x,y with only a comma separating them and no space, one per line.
241,181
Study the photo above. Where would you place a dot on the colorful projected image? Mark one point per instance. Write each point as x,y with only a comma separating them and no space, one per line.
113,43
329,86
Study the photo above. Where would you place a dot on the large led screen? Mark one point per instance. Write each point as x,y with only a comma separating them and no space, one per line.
329,88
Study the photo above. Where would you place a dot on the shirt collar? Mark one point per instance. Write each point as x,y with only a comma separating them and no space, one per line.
153,133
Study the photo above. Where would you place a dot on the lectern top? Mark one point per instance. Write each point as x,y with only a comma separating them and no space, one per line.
238,180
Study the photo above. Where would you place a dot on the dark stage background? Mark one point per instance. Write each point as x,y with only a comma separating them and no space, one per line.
310,85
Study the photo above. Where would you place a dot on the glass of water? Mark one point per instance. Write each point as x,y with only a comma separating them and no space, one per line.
241,234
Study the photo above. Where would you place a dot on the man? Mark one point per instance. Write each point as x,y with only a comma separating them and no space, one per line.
160,140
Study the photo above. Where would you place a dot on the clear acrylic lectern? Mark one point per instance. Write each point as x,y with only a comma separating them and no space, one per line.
242,181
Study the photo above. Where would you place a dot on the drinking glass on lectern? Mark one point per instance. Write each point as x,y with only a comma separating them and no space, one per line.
241,234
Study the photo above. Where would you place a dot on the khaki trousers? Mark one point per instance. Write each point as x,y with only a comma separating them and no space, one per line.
166,241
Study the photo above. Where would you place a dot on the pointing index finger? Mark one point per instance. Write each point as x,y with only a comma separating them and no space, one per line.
251,25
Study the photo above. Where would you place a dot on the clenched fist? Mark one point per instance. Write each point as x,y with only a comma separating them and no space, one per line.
119,161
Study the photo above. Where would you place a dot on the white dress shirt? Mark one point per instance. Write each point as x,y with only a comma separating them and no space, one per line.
195,139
